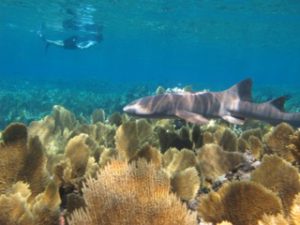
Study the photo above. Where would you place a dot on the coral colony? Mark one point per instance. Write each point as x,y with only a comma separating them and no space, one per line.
127,171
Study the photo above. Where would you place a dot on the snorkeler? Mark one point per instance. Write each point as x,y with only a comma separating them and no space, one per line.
74,42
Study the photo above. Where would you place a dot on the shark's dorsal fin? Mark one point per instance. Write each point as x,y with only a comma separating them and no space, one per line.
279,102
242,90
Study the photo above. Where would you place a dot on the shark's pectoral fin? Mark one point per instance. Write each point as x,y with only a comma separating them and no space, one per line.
192,117
234,120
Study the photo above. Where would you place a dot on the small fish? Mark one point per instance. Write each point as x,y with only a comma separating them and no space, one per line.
233,105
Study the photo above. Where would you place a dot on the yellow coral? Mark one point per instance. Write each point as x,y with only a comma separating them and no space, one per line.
180,167
34,171
224,223
98,115
294,146
106,156
144,130
21,160
64,119
295,210
279,176
127,142
273,220
102,133
214,162
186,183
197,136
77,151
134,193
168,156
251,132
116,119
229,141
208,138
45,207
278,139
15,207
151,154
15,132
54,130
256,146
51,138
243,145
241,203
13,154
179,160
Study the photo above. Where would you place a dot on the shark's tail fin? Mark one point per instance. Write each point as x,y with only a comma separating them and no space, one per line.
242,89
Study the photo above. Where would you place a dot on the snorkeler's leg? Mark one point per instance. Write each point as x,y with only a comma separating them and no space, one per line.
59,43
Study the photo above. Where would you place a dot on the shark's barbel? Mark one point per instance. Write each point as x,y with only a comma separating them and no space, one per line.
233,105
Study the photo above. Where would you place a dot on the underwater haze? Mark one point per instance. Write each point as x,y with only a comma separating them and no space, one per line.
206,44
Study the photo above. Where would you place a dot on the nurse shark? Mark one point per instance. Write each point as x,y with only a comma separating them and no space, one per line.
233,105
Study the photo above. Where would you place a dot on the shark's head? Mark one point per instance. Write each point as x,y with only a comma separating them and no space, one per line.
140,107
151,106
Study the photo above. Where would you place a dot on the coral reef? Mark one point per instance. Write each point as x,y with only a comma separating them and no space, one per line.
72,167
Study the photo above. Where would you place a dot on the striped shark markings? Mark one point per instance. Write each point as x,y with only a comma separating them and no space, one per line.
233,105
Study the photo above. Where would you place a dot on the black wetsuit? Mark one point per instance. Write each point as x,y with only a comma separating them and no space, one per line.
71,42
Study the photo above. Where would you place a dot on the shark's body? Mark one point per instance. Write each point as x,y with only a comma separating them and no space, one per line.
233,105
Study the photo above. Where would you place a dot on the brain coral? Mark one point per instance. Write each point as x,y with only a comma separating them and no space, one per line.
127,194
241,203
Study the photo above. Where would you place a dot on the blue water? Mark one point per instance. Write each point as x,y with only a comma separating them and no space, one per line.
209,44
